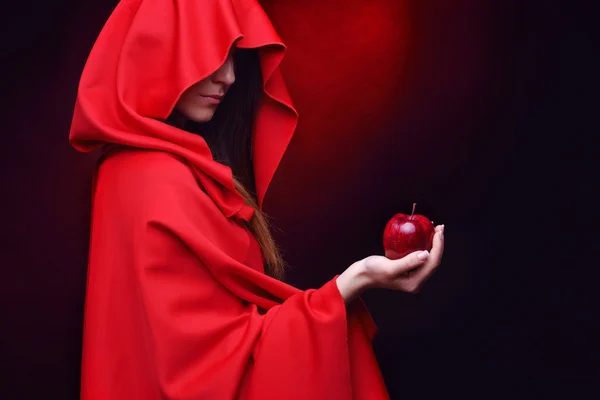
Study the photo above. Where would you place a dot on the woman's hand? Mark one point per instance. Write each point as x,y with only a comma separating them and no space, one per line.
406,274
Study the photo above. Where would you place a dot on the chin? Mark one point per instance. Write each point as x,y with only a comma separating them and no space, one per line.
198,115
201,116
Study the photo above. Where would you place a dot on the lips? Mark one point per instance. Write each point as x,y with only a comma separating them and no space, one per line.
212,98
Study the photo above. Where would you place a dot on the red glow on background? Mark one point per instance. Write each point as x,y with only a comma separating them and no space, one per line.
385,90
343,68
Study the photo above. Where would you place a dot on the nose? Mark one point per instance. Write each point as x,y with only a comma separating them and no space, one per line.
226,73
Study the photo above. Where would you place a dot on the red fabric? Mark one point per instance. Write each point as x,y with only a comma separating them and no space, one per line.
177,304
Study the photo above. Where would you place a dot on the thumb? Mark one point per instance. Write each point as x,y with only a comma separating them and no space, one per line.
410,261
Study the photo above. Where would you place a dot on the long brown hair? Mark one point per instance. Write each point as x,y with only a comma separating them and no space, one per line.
229,137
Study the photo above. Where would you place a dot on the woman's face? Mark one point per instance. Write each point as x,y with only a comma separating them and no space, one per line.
199,102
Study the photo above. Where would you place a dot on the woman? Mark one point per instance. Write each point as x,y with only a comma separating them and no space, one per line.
185,298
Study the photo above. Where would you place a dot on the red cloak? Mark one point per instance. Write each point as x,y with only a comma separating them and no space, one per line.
177,304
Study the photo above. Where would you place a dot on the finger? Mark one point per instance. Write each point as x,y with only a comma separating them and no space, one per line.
408,262
435,257
438,244
440,229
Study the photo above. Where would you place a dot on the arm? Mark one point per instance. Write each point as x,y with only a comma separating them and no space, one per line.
206,341
214,328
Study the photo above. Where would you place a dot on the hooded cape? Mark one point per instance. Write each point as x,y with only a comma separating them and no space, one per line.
177,302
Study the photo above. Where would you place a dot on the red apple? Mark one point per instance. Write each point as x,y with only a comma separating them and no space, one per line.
405,233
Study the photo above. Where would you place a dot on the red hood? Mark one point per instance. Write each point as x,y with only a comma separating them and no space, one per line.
148,53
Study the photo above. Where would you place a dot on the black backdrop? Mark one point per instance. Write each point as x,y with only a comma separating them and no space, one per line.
512,310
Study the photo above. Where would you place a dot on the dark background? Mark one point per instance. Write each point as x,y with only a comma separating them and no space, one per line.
489,134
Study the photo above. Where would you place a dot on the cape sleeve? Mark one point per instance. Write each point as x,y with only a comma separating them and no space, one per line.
205,340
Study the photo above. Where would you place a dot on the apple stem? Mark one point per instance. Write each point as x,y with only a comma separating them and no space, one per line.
413,210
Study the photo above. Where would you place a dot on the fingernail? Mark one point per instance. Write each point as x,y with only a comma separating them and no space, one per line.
422,256
442,228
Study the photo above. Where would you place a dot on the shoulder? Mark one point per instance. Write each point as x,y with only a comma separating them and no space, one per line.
146,193
140,167
136,180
